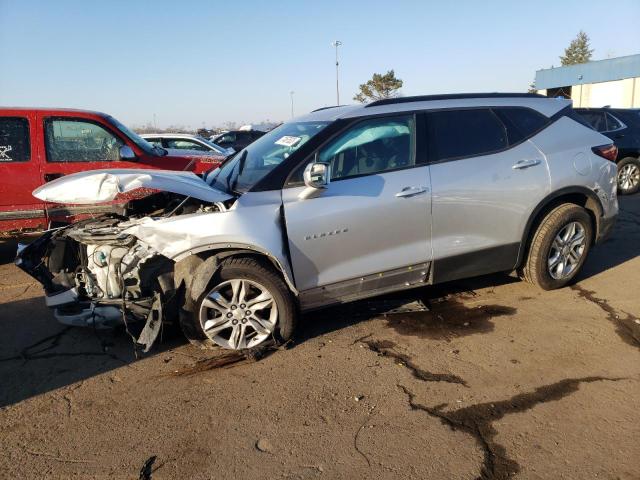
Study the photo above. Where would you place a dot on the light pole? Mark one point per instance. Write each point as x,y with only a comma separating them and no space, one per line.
291,95
337,43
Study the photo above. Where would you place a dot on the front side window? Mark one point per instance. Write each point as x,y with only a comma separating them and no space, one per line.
372,146
15,144
464,133
156,142
182,144
80,141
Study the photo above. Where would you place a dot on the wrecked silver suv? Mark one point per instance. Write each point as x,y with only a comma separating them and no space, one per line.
341,204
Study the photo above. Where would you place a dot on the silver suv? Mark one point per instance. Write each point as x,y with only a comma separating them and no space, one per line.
341,204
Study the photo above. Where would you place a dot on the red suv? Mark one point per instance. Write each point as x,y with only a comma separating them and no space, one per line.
39,145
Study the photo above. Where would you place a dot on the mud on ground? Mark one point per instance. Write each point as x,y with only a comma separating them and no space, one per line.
496,380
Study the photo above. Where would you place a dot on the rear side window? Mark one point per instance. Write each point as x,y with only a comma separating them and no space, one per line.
520,122
15,143
80,141
613,123
464,133
596,120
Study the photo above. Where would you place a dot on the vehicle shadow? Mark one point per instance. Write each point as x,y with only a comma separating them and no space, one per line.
38,355
8,249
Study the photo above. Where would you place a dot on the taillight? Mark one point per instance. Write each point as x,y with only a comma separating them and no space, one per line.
609,151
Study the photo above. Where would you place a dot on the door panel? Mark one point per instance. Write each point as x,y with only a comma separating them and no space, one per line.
358,226
480,207
19,174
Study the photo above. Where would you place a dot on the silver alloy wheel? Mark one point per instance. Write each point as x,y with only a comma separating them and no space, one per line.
628,176
567,250
238,314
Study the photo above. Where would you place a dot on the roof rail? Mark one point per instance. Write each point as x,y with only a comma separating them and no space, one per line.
451,96
326,108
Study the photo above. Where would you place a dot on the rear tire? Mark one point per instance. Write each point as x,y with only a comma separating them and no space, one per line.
628,175
274,320
559,247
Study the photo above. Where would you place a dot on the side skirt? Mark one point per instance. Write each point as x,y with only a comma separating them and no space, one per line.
482,262
404,278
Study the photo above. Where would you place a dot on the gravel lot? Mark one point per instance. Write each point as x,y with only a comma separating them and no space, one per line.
496,380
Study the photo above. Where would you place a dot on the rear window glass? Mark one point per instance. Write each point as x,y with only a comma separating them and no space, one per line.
464,133
521,122
15,144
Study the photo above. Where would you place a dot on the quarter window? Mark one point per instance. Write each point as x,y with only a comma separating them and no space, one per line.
596,120
15,145
372,146
464,133
80,141
520,122
613,123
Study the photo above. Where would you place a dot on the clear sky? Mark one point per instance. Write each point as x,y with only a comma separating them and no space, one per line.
195,62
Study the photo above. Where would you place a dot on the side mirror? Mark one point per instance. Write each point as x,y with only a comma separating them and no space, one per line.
317,175
126,153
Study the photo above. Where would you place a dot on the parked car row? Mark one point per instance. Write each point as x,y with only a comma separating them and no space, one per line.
341,204
622,125
40,145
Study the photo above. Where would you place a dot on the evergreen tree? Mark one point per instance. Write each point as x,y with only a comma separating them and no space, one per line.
379,87
578,50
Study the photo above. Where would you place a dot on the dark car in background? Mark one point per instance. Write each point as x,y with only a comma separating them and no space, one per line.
622,125
237,139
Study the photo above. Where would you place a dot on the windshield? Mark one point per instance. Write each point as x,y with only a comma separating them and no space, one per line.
255,161
137,139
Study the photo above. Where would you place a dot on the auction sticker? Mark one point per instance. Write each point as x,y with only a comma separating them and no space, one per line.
287,141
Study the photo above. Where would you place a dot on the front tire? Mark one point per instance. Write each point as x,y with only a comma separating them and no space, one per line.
628,175
559,247
246,305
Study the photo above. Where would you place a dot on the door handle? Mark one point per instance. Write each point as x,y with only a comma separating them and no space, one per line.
411,191
526,164
52,176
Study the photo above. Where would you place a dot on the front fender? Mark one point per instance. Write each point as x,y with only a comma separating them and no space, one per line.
254,223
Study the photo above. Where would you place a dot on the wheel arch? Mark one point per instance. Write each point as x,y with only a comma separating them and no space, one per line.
203,262
577,195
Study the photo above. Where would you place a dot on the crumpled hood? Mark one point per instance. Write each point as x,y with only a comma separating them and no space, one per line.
97,186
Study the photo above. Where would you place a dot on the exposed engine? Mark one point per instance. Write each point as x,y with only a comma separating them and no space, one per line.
96,274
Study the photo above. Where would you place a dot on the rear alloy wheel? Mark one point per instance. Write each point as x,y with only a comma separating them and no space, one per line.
559,247
628,175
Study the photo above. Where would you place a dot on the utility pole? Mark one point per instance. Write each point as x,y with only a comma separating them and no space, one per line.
337,43
291,94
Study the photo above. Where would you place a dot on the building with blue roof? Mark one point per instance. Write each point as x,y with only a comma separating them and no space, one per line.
614,82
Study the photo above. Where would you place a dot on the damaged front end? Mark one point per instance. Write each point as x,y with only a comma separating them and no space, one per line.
97,274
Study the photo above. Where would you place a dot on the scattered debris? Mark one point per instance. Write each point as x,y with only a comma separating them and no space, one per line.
357,398
226,359
264,445
147,468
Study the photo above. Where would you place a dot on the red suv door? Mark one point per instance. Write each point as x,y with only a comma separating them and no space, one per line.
74,143
19,173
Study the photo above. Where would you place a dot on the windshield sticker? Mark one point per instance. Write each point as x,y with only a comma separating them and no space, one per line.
288,141
3,153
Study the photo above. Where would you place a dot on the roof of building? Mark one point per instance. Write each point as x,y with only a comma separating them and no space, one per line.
591,72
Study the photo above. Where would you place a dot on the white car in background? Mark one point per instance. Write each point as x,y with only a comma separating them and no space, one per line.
184,141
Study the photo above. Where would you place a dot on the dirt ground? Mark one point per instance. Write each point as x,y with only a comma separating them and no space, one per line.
496,380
